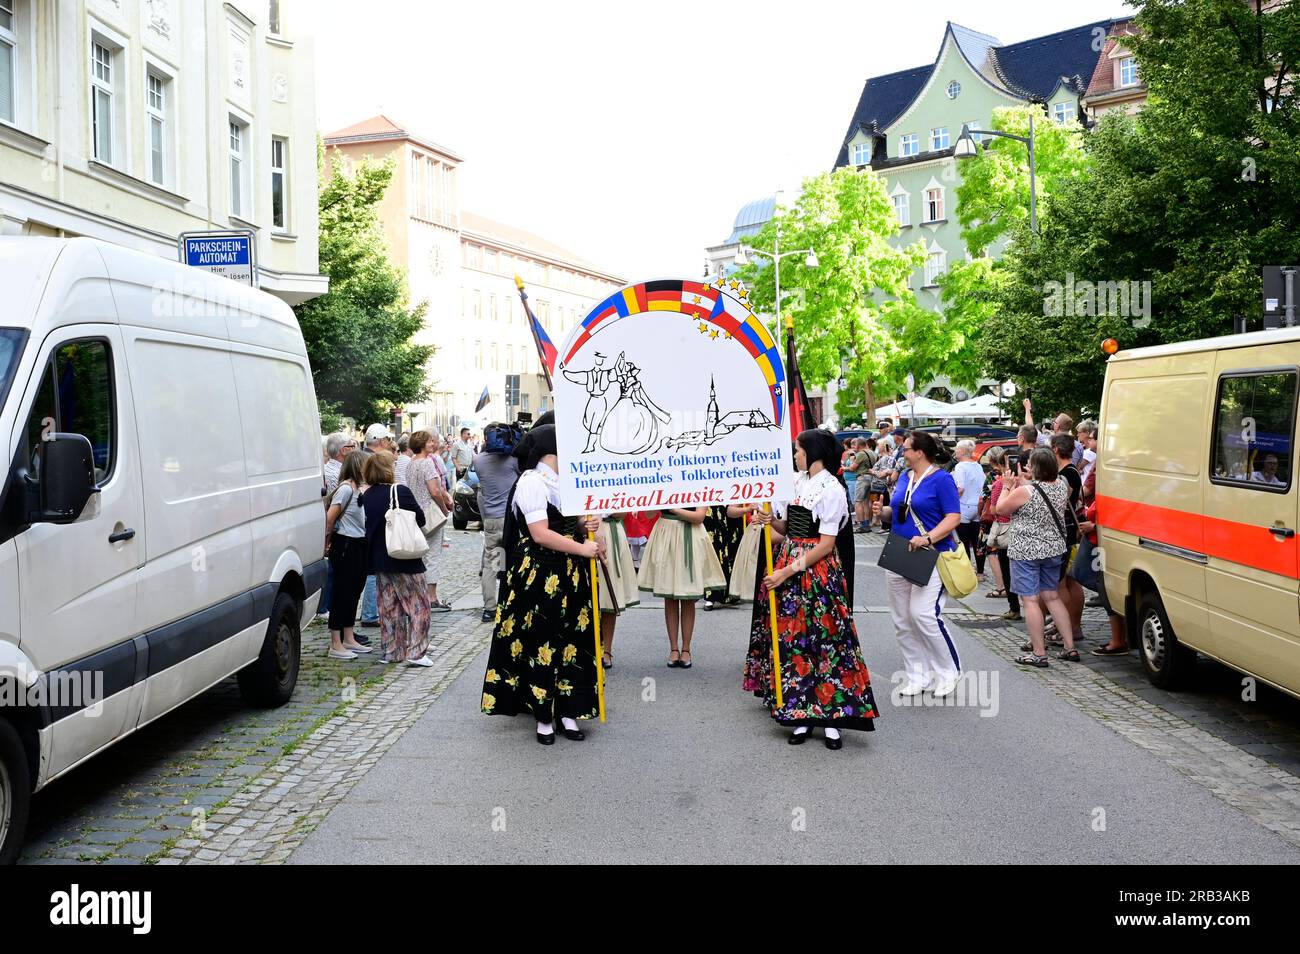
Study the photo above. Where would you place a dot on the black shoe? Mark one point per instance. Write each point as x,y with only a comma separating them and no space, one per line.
799,738
546,739
489,616
834,744
363,640
575,735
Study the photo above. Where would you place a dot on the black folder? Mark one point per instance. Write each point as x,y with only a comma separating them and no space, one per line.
914,565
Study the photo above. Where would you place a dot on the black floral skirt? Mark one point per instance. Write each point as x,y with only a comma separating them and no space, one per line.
725,534
542,660
824,680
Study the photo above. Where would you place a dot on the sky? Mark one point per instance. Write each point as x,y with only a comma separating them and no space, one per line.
632,135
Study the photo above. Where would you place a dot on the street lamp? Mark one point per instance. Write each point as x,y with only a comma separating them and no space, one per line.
966,148
775,256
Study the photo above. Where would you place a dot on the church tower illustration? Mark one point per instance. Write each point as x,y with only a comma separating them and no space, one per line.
711,419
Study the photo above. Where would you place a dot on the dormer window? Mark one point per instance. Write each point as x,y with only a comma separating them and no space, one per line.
1128,71
861,153
1063,112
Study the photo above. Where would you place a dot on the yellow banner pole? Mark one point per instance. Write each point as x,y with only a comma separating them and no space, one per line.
595,615
771,605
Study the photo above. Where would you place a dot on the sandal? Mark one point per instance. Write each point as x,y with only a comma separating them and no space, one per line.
1111,651
1029,659
607,660
1069,655
684,664
996,595
674,663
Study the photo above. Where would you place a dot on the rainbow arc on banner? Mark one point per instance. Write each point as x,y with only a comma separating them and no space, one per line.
721,304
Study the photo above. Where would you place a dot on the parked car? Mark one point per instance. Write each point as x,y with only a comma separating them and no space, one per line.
464,498
1012,447
976,432
161,523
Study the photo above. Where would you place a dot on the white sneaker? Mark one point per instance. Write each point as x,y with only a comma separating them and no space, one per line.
423,661
342,654
360,650
944,688
913,688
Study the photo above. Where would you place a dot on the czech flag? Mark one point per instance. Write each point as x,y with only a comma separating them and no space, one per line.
546,349
482,400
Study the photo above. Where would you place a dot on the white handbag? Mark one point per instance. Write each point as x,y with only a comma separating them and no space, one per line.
434,518
402,533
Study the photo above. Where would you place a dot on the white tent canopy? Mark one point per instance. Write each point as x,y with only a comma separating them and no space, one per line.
982,405
921,407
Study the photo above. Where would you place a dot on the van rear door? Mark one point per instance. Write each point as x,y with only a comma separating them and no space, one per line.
1251,515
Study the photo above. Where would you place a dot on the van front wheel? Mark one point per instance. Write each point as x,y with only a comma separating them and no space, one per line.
15,792
1168,662
269,681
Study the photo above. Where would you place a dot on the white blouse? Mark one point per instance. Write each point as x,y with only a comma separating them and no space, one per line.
537,488
824,496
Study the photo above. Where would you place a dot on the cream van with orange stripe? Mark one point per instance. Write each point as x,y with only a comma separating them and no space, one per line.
1199,503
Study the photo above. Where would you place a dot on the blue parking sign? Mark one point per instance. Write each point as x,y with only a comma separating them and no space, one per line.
229,254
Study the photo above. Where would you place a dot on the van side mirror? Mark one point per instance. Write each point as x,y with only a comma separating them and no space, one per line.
66,469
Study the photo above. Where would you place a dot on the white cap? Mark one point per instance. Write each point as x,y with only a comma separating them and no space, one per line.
376,433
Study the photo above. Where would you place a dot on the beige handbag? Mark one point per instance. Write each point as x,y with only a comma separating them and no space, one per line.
402,534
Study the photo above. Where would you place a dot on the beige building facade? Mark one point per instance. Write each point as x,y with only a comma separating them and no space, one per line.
133,121
463,265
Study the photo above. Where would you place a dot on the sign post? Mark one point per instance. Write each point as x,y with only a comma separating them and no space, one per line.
231,254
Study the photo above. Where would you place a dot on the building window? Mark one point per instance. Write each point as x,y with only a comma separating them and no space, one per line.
903,209
478,353
494,356
8,61
934,265
973,126
1063,112
954,89
938,138
273,17
101,102
861,153
157,94
279,183
933,205
492,306
1128,71
909,145
241,203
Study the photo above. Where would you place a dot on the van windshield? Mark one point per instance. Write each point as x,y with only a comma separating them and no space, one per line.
11,349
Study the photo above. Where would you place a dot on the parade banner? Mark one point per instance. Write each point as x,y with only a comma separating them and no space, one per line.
671,393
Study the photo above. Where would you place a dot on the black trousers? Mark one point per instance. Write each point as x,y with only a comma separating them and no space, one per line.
348,564
1004,562
969,535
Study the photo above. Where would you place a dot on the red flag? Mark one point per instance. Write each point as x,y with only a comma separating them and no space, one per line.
800,413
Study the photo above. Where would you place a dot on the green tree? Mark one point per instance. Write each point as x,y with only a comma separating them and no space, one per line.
359,333
1193,195
857,299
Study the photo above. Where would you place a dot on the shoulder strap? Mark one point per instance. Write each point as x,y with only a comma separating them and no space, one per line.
1060,528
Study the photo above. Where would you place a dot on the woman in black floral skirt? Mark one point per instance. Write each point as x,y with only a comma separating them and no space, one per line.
824,680
725,533
542,659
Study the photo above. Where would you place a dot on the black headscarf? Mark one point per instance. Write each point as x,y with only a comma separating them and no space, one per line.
535,445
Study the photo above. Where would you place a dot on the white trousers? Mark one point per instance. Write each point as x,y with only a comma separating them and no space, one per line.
929,654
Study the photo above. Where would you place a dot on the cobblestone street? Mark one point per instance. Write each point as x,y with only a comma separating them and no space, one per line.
219,782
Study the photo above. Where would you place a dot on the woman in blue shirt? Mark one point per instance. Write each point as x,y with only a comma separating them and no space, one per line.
926,495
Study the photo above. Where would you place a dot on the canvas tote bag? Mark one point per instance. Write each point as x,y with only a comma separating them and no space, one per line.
402,533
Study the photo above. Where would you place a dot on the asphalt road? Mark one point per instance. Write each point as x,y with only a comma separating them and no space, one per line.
691,769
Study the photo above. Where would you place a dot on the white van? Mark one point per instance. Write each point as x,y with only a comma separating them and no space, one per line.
161,523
